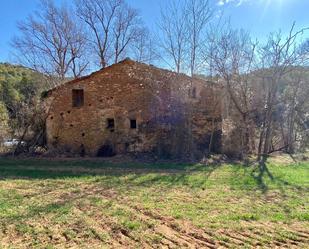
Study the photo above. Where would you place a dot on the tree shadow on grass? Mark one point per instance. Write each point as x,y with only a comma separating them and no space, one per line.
144,174
261,174
122,178
195,176
45,169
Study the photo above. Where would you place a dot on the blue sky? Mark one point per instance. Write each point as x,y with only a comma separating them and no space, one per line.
260,17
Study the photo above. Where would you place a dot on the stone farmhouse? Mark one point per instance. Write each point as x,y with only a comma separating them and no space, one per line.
131,107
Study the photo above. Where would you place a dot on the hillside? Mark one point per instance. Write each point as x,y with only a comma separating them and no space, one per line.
14,70
18,87
17,84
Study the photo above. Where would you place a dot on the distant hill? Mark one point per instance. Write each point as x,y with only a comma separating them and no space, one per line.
304,70
14,70
18,84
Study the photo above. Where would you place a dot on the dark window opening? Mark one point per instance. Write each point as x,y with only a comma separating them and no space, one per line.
111,124
83,134
77,97
133,124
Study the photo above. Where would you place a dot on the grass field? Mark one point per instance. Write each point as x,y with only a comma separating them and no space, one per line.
96,204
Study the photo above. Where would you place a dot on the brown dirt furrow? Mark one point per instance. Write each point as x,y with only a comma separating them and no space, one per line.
303,232
187,229
194,238
210,244
272,242
183,234
224,244
121,237
200,244
166,243
295,242
287,243
277,244
302,235
256,240
241,239
233,238
176,236
172,236
291,229
300,240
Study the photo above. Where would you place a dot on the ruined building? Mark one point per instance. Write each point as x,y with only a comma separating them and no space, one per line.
132,107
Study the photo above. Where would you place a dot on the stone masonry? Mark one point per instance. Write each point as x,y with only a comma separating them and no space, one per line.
132,107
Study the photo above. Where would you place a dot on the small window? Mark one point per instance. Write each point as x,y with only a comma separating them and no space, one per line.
133,124
110,124
77,97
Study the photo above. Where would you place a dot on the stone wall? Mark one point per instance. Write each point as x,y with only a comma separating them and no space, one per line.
175,114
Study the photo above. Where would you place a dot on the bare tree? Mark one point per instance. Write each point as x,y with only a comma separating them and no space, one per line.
99,17
113,28
198,16
232,55
51,42
174,33
127,29
296,103
278,57
264,84
144,49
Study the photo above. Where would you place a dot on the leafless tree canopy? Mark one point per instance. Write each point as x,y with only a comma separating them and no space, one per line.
198,17
113,28
232,56
52,42
278,58
174,33
183,26
145,48
263,82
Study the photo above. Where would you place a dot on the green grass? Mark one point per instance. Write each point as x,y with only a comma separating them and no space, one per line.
48,203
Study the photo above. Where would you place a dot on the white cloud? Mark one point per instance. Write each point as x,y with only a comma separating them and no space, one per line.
236,2
240,2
